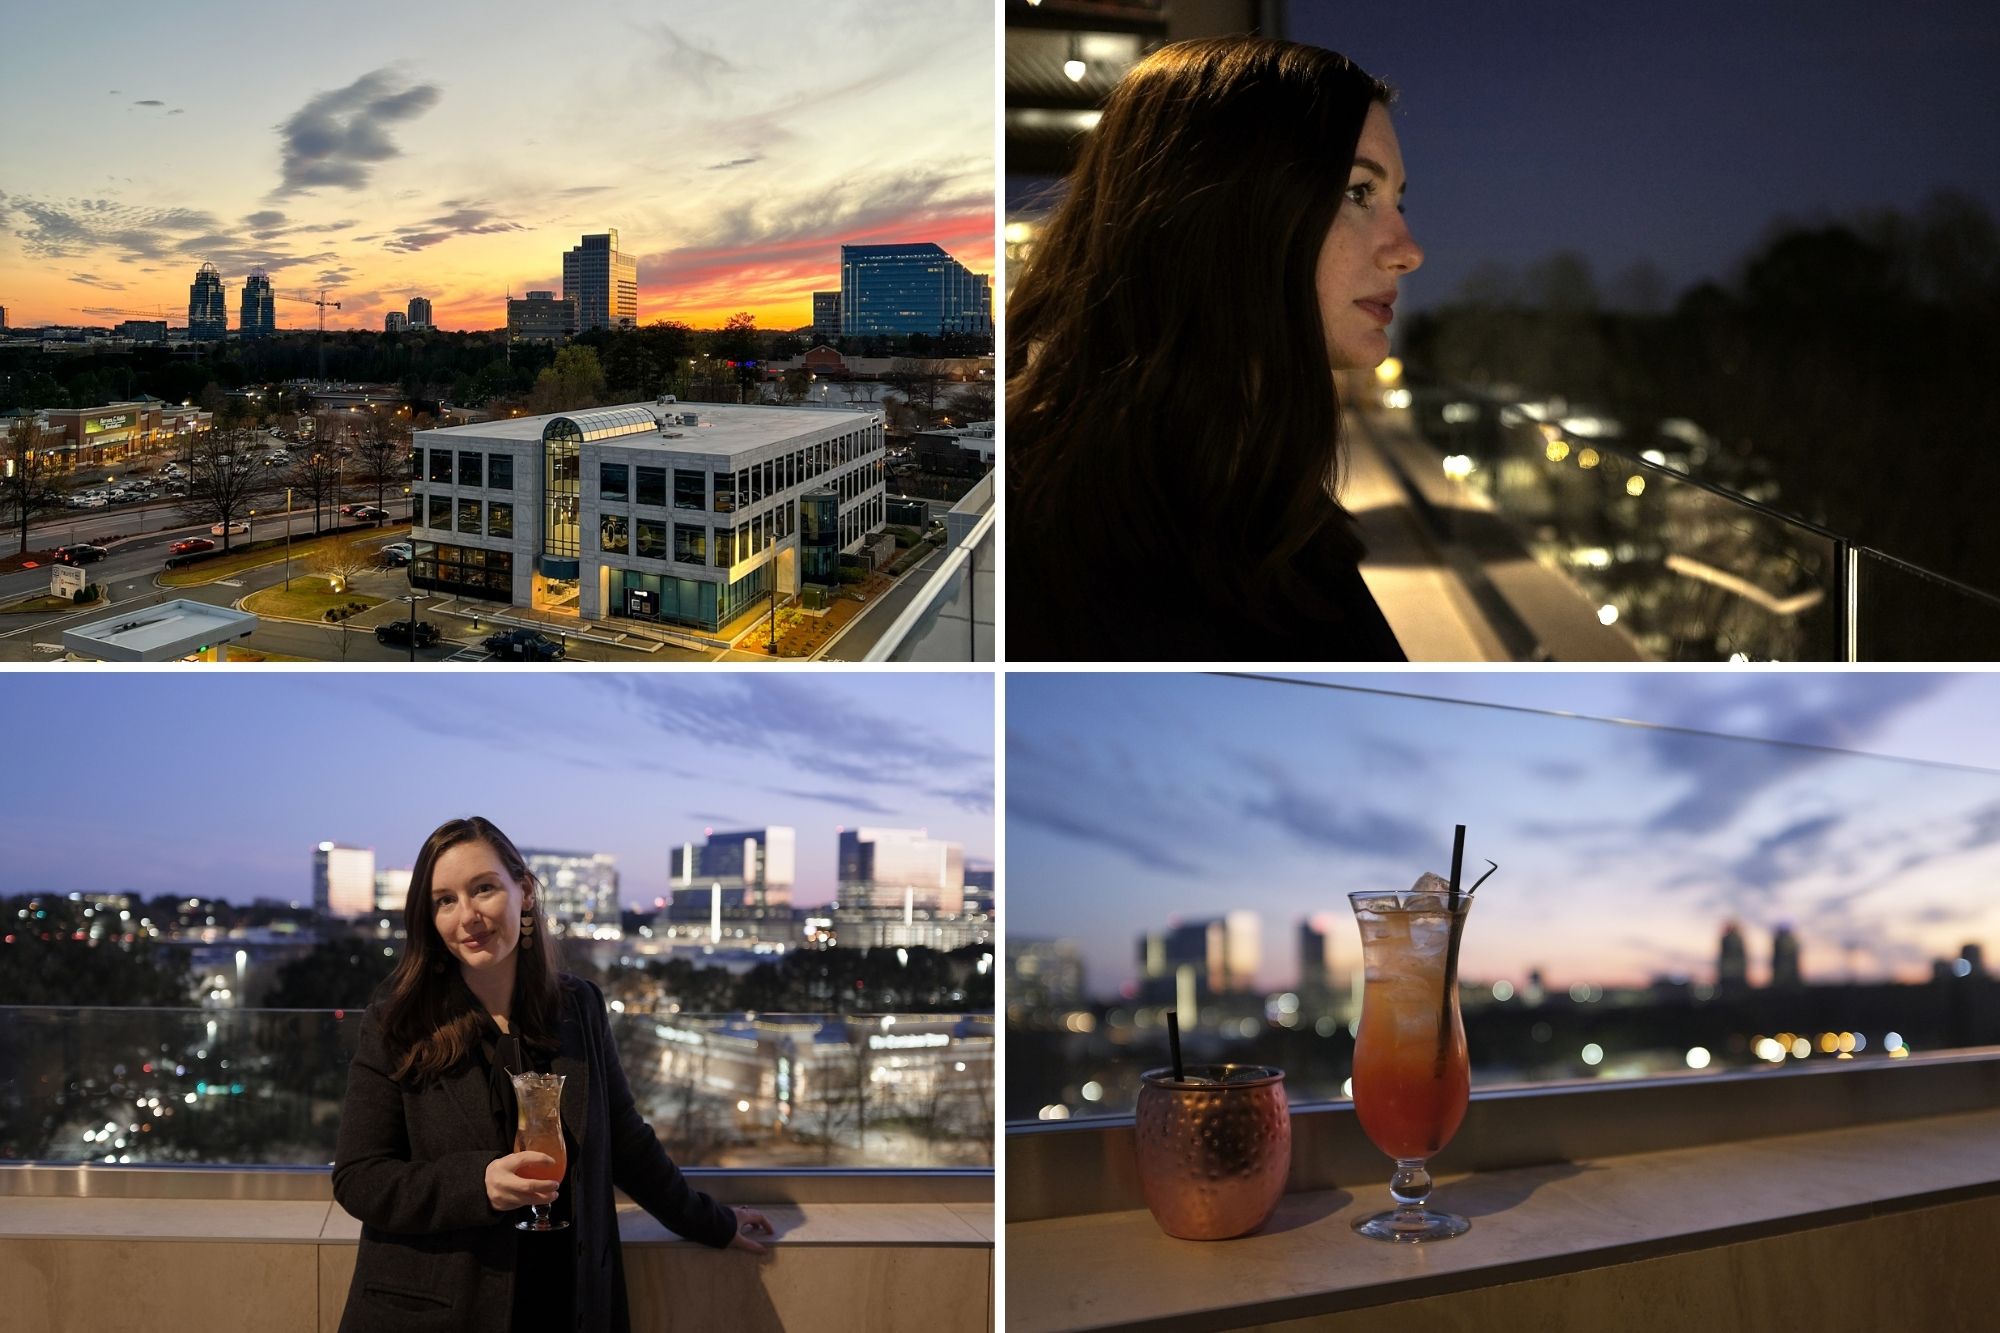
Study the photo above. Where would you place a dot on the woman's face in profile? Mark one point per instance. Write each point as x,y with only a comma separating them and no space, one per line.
476,905
1368,249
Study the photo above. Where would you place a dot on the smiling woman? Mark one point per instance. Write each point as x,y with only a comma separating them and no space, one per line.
432,1156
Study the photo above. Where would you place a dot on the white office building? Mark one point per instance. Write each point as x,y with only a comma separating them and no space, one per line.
392,893
681,513
343,881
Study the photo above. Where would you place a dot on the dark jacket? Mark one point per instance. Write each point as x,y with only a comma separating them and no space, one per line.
411,1165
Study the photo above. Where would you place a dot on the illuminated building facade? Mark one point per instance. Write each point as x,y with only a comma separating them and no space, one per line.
603,283
826,314
259,317
343,881
420,312
681,514
395,322
208,306
902,289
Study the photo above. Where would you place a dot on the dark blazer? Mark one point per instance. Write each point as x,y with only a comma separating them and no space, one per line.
410,1163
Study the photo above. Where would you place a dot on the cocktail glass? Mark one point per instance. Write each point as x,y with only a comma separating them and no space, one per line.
538,1128
1411,1077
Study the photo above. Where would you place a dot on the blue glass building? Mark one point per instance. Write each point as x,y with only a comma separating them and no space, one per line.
208,306
259,318
911,289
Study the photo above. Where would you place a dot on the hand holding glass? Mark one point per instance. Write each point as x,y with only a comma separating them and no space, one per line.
538,1128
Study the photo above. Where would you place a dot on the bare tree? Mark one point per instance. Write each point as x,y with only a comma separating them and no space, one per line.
920,380
222,480
27,487
380,460
312,479
339,562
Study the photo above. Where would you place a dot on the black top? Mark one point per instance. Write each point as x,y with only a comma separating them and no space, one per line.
545,1267
1127,615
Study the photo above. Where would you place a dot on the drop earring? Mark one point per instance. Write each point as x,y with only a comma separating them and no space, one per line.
527,927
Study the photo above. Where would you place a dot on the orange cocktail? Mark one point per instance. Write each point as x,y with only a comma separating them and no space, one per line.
538,1128
1411,1076
543,1141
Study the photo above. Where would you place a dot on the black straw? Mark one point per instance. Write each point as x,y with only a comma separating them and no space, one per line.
1457,862
1174,1043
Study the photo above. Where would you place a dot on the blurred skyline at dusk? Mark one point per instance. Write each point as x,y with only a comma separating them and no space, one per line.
456,152
1137,800
223,785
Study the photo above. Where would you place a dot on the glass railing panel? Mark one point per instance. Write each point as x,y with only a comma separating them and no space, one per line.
1669,902
1690,574
1905,615
264,1087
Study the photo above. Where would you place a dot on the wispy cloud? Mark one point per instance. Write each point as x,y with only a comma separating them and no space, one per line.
463,220
337,138
738,162
701,67
92,280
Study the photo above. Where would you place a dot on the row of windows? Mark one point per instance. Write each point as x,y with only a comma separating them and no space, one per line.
464,467
498,519
465,569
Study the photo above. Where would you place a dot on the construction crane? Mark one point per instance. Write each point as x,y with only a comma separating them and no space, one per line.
322,303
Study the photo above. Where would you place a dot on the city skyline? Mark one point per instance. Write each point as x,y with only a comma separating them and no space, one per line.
256,771
1622,849
423,157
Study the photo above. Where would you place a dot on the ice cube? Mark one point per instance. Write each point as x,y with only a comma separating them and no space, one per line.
1429,883
1429,933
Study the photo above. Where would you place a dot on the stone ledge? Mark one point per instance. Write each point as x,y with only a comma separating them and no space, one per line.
1118,1270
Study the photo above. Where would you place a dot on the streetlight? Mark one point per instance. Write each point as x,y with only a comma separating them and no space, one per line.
288,539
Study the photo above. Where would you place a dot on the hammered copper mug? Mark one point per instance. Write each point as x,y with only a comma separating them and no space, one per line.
1214,1148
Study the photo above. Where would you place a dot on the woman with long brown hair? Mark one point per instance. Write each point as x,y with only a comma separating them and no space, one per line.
425,1153
1230,237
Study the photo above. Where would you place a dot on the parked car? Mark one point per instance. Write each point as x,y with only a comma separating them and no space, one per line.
80,554
189,545
370,513
397,553
234,525
396,633
523,645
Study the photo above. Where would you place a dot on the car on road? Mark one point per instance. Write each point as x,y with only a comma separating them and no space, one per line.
189,545
234,525
523,645
80,554
397,553
370,513
397,633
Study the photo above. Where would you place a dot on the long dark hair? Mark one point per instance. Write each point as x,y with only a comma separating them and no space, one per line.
430,1017
1170,399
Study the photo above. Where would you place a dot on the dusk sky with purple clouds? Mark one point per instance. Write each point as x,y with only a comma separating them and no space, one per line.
1134,800
223,784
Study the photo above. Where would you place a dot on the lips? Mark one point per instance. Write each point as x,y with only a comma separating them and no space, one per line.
479,943
1381,308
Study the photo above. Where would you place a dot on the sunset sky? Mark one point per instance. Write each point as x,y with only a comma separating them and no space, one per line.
1133,800
222,785
457,150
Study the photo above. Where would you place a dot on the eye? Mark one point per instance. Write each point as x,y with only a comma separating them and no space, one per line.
1361,192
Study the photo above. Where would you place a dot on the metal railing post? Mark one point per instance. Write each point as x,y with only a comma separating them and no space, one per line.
1848,557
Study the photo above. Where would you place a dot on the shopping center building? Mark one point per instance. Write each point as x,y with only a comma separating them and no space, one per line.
682,513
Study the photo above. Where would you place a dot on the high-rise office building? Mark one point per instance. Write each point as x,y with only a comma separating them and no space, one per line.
735,886
541,317
603,283
579,892
826,314
392,893
144,330
1974,958
395,322
1318,986
420,312
208,306
259,317
1732,964
901,869
1784,958
911,289
343,881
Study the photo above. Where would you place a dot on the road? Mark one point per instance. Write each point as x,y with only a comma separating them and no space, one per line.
865,630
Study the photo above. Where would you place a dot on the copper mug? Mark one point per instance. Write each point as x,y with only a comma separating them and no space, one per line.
1213,1154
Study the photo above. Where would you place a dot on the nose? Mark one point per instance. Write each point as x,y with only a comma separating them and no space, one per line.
1400,252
